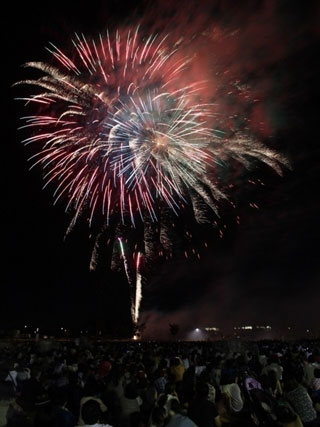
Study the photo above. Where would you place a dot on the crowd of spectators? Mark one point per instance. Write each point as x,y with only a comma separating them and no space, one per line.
177,384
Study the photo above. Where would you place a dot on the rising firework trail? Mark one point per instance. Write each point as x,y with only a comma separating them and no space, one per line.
129,278
138,296
125,143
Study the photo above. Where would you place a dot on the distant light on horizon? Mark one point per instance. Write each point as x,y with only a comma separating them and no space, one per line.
196,334
243,327
250,327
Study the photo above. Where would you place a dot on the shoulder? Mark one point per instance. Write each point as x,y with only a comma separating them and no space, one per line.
234,387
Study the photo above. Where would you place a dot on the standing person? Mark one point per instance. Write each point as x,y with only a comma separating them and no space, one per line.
299,398
177,418
31,389
92,415
308,370
46,415
205,378
177,369
158,417
188,385
7,399
230,389
65,417
287,417
273,365
91,392
203,412
315,383
160,380
130,405
165,399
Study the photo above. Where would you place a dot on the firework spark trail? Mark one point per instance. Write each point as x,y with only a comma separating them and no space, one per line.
135,291
125,262
138,296
130,282
122,137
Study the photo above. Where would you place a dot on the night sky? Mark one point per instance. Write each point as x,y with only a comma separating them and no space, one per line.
264,270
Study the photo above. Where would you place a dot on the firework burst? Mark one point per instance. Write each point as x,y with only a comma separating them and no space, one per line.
122,139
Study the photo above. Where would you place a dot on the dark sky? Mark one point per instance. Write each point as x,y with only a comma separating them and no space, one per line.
264,270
